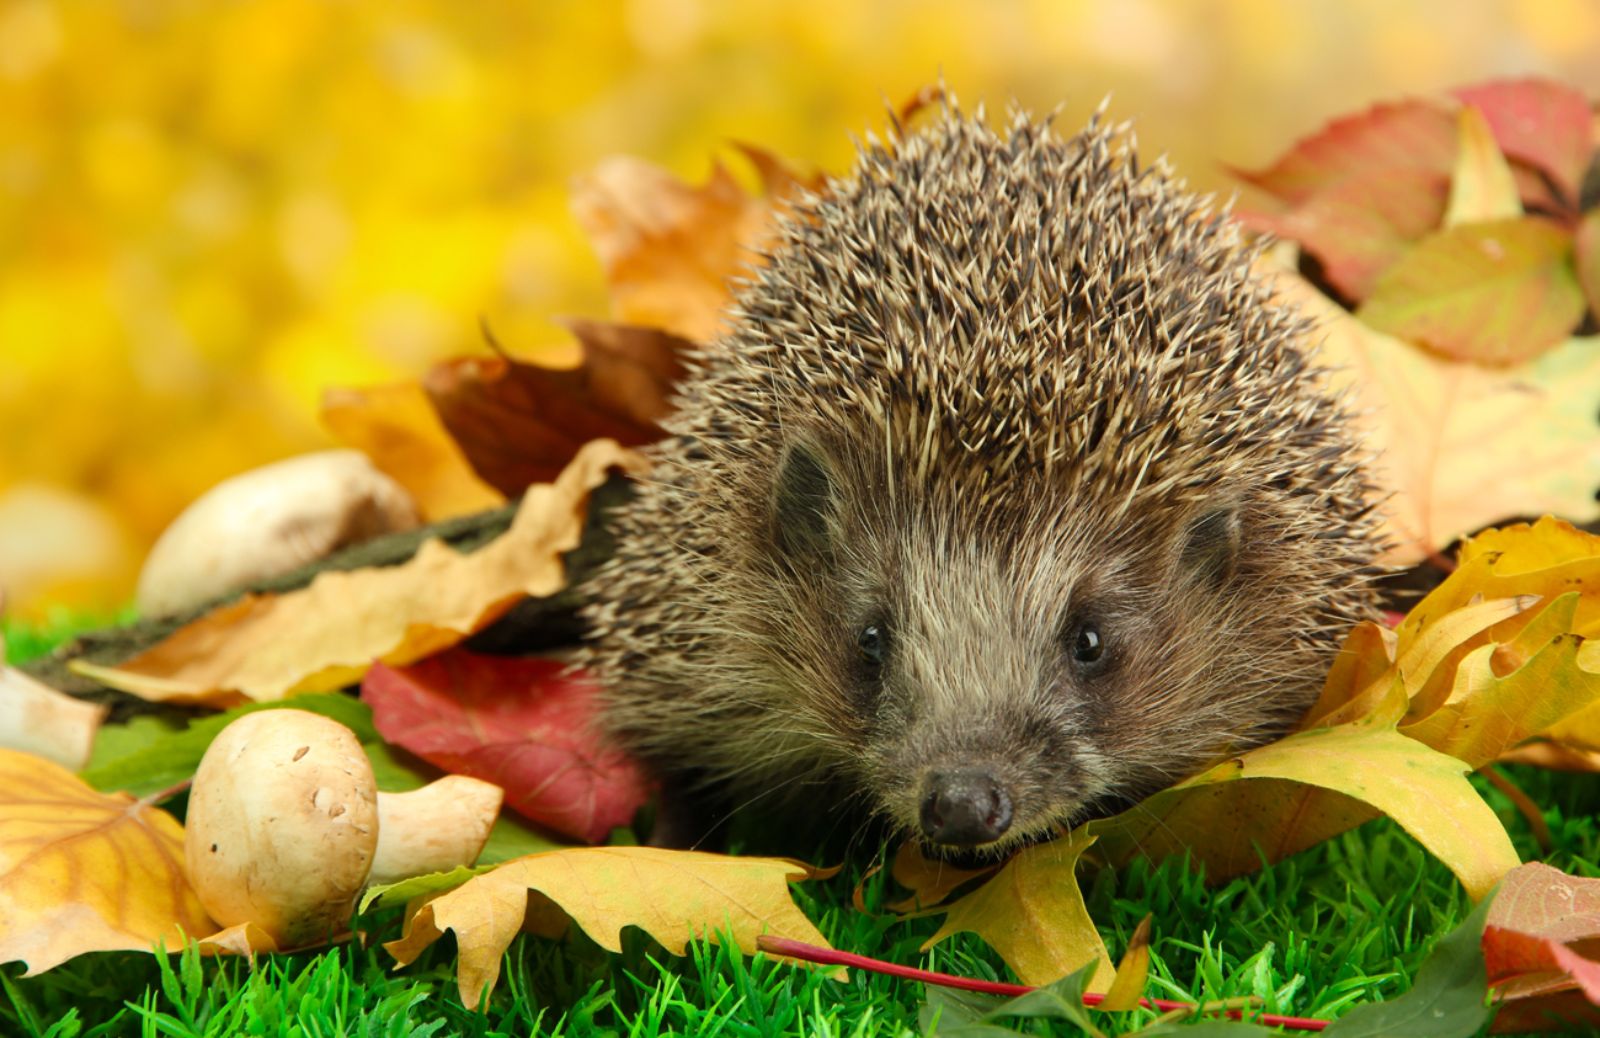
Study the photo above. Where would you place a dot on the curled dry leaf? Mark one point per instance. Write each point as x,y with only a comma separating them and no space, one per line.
327,635
1543,123
1460,447
524,724
930,880
397,428
671,895
518,423
82,871
1481,187
669,249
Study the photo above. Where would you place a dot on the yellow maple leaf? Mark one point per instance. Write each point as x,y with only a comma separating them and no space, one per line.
82,871
671,895
325,636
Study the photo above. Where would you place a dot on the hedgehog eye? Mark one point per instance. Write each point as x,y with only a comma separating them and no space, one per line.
1088,648
873,643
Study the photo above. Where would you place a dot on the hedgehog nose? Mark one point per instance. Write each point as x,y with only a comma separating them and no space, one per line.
964,808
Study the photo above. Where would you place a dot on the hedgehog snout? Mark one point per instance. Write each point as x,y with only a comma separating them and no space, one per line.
964,808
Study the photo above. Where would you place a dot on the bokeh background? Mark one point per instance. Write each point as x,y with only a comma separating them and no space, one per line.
211,210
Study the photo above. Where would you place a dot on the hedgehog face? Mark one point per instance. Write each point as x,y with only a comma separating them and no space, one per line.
993,682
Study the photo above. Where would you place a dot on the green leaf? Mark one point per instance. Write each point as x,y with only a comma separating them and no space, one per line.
156,761
952,1013
1447,999
1586,243
394,895
1497,292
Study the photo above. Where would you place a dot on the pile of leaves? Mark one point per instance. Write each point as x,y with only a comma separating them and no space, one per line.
1445,242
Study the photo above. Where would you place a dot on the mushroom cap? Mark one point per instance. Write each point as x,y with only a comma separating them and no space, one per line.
282,825
268,521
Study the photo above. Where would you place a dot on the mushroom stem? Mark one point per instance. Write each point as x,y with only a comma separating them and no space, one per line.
37,719
433,829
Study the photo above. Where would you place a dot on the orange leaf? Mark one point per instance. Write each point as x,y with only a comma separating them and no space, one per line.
82,871
669,249
398,429
519,423
929,879
327,635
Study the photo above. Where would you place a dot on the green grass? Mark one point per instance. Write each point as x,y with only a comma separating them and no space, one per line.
1345,923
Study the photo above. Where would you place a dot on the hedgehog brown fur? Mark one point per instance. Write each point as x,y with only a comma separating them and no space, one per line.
1008,493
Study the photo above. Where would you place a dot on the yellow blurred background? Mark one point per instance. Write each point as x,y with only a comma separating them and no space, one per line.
211,210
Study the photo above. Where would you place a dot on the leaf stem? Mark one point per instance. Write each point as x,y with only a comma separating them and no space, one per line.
830,957
168,793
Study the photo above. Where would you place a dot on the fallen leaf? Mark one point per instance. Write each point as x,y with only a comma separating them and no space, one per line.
1481,186
1495,292
1032,913
397,428
1359,227
1539,946
82,871
1460,447
1538,121
325,636
519,423
952,1013
668,249
524,724
671,895
1278,799
929,880
243,939
1133,971
1412,136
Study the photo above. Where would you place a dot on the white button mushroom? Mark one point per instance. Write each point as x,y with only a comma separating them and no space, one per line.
268,521
285,824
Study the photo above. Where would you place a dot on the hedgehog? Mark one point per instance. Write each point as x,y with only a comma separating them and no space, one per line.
1008,496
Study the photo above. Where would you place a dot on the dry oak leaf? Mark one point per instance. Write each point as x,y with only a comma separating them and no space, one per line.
396,427
1032,913
930,880
1482,186
669,249
82,871
671,895
524,724
325,636
1541,122
519,422
1459,446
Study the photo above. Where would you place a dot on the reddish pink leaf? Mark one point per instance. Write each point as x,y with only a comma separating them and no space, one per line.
1415,136
523,724
1540,930
1540,122
1359,227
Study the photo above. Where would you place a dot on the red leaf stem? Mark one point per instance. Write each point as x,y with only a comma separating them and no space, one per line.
830,957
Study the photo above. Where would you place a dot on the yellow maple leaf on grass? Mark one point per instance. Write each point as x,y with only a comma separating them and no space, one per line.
82,871
671,895
326,636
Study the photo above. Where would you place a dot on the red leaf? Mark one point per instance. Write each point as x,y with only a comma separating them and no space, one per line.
1359,227
1415,137
523,724
1540,122
520,423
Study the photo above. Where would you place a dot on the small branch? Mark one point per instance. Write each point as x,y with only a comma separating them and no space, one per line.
1523,803
830,957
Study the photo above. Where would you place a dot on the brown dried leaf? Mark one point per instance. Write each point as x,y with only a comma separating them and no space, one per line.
397,428
82,871
669,249
327,635
519,423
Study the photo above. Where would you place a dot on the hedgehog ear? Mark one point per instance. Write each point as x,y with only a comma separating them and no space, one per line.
1210,551
803,502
